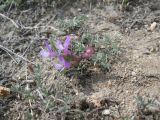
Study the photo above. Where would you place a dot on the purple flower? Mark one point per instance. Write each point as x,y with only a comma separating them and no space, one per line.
62,51
63,47
62,63
49,52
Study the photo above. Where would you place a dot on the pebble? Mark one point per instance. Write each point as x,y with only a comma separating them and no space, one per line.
134,73
79,9
153,26
106,112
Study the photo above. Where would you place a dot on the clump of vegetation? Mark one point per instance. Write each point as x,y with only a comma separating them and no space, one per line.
102,49
49,98
78,57
71,24
106,50
149,107
6,3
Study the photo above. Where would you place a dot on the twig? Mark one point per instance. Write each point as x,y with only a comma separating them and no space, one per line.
7,50
30,107
40,94
28,82
95,110
51,20
56,99
26,50
79,111
14,23
37,27
10,7
12,57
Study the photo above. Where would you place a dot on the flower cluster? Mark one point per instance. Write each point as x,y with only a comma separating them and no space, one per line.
65,57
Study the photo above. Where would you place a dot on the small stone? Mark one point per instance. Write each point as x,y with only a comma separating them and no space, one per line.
106,112
73,11
136,28
146,51
127,91
109,83
102,46
153,26
146,26
61,33
134,80
27,87
134,73
79,9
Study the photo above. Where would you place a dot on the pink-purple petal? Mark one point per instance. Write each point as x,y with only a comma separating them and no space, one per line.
59,45
67,52
67,64
48,46
58,66
67,42
44,53
49,50
61,59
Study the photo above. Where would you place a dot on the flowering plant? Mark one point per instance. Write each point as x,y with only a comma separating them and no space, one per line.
63,55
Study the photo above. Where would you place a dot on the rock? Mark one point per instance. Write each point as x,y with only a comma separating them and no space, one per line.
153,26
79,9
134,73
106,112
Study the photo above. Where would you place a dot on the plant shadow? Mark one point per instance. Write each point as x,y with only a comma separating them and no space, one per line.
87,84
